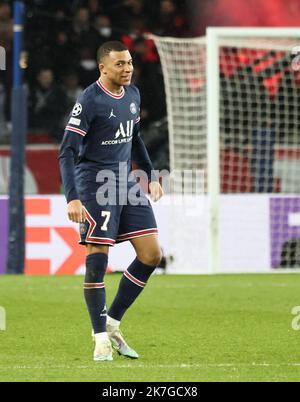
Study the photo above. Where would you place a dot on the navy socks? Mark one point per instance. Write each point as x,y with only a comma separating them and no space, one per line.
94,290
131,285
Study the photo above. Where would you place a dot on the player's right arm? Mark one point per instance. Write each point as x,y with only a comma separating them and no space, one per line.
76,130
69,151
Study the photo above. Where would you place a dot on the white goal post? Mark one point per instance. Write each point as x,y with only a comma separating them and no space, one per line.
233,101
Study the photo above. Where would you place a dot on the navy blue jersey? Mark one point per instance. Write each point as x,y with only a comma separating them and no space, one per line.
102,132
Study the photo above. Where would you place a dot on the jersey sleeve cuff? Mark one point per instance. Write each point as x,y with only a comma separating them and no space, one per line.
72,196
76,130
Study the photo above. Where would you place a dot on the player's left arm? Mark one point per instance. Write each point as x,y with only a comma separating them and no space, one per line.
141,157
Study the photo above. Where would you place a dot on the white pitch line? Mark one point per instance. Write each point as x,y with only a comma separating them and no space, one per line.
153,366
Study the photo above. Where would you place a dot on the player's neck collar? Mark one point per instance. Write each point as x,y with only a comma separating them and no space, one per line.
115,96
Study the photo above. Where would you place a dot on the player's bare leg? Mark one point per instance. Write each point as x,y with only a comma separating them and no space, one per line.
95,248
148,250
131,285
94,293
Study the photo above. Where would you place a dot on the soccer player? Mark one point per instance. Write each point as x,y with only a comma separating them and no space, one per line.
100,143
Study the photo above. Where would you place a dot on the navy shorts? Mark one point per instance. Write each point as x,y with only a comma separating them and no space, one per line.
112,224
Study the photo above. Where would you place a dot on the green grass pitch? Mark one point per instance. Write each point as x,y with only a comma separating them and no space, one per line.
186,328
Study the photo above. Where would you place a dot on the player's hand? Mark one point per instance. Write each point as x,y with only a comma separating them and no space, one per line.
76,211
156,191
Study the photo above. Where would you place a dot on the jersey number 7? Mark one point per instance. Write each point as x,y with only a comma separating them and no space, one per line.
106,215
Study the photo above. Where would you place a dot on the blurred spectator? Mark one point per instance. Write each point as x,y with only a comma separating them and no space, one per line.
82,33
81,23
150,83
144,51
170,21
95,7
72,90
6,26
128,10
61,53
148,78
47,105
103,28
88,67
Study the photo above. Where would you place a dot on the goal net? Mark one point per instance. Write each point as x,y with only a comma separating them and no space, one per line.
233,102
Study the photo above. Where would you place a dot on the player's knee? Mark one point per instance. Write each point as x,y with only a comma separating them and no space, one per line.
151,257
95,248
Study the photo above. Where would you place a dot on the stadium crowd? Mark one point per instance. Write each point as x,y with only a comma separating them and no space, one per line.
59,58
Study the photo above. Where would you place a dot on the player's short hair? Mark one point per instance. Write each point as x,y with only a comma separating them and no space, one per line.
107,47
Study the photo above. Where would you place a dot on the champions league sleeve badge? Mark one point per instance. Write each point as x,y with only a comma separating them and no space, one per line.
77,109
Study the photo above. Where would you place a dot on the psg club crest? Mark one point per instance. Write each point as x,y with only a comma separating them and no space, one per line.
77,109
133,108
82,228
